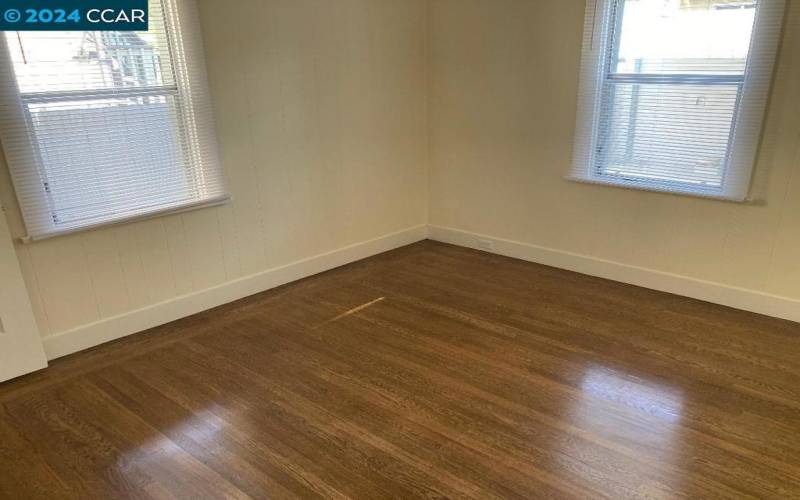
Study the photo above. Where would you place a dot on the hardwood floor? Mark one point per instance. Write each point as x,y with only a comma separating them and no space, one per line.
430,371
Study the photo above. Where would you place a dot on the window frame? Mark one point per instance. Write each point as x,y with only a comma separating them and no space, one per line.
186,84
600,50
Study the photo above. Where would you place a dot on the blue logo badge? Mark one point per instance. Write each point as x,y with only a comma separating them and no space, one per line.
74,15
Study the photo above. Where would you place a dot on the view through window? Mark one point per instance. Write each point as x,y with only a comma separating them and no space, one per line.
675,75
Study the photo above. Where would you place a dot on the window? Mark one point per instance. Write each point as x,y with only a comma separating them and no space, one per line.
673,93
101,127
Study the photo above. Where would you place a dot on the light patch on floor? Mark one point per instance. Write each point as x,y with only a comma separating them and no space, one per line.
352,311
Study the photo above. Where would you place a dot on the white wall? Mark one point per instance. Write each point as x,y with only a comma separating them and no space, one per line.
504,77
322,122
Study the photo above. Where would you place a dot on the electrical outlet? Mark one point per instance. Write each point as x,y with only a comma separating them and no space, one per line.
487,245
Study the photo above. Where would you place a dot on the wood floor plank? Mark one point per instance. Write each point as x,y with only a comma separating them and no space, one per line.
352,395
382,384
428,372
507,399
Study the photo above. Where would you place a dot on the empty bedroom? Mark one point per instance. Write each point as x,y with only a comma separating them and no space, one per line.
400,249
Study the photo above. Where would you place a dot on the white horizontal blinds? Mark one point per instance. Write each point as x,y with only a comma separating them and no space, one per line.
667,93
101,127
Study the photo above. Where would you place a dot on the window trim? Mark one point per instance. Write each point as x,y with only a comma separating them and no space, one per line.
602,21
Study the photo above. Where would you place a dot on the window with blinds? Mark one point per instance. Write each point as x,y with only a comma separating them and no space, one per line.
101,127
673,93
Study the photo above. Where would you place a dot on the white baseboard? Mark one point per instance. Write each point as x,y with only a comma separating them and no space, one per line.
106,330
84,337
718,293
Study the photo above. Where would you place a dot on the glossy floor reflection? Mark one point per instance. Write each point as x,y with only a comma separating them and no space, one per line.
431,371
659,400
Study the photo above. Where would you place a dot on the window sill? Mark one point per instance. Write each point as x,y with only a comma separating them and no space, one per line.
132,217
690,191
